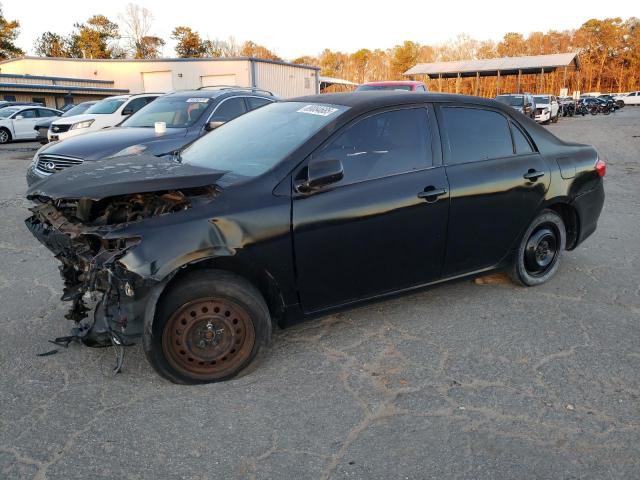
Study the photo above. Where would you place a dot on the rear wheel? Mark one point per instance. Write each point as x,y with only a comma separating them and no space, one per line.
208,328
539,251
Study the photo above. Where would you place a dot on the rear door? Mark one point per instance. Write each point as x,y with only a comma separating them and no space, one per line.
382,227
497,180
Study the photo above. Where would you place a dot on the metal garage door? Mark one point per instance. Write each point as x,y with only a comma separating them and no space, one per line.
209,80
158,82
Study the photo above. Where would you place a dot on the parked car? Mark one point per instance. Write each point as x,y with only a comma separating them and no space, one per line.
7,103
567,106
631,98
522,102
402,85
105,113
610,99
186,114
547,108
17,122
305,207
42,127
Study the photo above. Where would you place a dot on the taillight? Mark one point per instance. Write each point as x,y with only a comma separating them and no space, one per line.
601,168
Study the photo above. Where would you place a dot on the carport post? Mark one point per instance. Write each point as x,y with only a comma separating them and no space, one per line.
498,84
440,82
519,75
458,83
477,83
541,87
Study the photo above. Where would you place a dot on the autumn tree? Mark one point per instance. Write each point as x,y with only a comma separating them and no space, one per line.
512,45
9,30
94,39
137,22
403,57
252,49
51,44
190,44
600,41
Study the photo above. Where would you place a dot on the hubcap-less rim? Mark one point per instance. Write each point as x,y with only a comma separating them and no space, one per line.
541,250
208,338
3,136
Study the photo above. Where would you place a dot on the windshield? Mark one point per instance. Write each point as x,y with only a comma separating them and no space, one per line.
255,142
364,88
176,112
77,110
7,111
106,106
541,99
511,100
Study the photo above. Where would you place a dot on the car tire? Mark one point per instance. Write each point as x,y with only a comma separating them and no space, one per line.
5,136
556,118
209,327
538,254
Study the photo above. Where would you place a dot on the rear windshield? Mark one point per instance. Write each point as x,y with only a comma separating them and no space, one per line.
541,99
257,141
511,100
176,112
106,106
363,88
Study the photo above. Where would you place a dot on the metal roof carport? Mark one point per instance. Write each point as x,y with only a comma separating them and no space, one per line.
496,67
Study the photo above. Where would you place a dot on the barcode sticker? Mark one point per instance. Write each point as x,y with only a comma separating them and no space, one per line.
321,110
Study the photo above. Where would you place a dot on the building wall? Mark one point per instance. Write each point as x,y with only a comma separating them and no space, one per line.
283,80
286,81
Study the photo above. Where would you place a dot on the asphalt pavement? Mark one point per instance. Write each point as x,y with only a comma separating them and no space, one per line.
470,380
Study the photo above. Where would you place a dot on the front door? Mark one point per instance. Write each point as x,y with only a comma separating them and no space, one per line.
498,182
379,229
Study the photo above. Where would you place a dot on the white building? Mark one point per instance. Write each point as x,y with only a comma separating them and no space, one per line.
161,75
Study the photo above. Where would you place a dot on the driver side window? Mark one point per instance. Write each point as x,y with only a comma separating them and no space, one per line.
380,145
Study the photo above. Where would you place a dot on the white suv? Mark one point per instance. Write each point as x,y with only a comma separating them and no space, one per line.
547,108
106,113
631,98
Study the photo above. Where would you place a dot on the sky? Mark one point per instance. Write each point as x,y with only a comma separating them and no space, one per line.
296,28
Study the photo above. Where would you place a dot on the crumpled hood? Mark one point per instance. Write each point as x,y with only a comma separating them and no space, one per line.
100,144
121,176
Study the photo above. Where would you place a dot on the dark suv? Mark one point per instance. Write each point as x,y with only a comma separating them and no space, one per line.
187,115
522,102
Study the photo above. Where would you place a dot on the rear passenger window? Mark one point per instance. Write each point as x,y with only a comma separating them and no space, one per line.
255,102
229,109
381,145
520,141
474,134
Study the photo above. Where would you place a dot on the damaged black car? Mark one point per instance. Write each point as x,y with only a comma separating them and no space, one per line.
304,207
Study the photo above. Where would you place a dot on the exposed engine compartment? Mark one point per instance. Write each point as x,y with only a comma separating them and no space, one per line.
74,230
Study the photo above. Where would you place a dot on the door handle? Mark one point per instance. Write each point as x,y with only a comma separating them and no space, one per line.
431,194
533,175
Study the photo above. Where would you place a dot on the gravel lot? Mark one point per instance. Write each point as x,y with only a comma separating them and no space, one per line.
466,380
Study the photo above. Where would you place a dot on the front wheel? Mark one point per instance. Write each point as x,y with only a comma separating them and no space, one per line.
539,251
5,136
209,327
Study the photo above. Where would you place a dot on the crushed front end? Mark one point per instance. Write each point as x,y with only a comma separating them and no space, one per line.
80,233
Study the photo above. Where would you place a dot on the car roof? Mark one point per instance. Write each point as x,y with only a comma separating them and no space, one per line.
369,100
394,82
213,93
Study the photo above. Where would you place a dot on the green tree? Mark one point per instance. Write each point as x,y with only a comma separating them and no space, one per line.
9,30
51,44
189,45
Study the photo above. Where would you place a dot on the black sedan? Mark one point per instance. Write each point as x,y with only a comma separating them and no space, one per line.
305,207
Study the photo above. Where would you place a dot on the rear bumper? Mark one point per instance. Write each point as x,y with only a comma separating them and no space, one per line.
589,206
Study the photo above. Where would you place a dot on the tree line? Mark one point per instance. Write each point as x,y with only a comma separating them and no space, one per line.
609,52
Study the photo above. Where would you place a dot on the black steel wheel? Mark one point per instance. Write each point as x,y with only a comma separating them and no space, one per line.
209,327
539,251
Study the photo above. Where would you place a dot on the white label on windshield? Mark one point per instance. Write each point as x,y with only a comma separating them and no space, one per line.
321,110
197,100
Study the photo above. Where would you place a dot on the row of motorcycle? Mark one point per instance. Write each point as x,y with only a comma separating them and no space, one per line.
589,106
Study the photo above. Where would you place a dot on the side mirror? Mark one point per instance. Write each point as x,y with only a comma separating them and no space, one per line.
19,117
127,111
213,125
321,173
